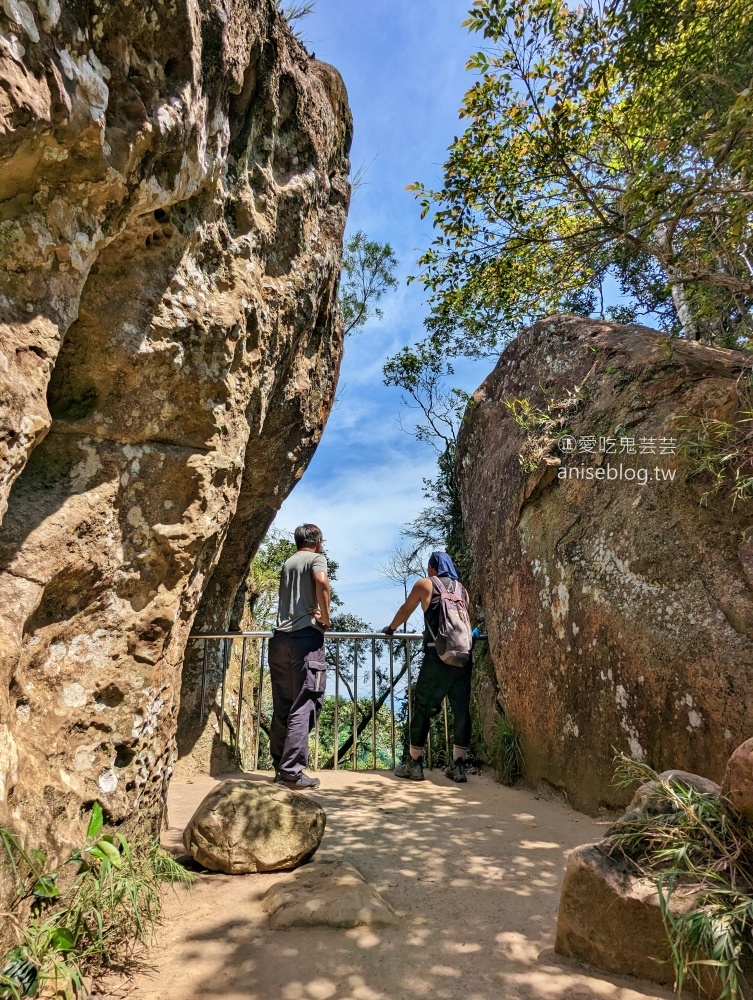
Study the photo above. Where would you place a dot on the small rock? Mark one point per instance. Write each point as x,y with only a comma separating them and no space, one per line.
648,801
243,826
612,920
737,784
328,893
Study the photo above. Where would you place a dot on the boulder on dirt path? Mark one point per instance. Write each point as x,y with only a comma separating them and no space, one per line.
243,826
737,784
329,893
611,919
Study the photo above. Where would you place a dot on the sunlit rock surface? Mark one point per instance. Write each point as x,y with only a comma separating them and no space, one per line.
246,826
173,182
620,614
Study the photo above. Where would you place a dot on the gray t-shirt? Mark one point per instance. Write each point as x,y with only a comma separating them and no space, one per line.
298,591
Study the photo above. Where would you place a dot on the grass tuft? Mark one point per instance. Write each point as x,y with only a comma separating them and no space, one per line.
85,919
698,846
507,752
296,12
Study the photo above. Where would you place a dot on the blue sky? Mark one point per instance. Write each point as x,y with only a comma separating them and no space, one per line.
404,68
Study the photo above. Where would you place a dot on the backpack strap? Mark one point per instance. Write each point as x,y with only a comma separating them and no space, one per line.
437,587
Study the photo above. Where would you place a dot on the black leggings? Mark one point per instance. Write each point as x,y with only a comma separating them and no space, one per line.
436,680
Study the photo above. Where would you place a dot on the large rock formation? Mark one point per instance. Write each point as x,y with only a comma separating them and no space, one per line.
737,784
619,614
173,180
613,900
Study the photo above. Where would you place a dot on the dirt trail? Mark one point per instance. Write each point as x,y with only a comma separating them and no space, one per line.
474,870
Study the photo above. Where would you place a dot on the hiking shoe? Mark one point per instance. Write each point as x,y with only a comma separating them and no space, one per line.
301,783
456,770
410,768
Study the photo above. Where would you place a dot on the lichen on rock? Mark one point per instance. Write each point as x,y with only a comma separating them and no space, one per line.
174,187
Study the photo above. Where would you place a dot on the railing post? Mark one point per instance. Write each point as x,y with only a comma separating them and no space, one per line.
203,681
392,702
373,705
259,694
355,704
337,701
239,720
446,732
410,689
225,658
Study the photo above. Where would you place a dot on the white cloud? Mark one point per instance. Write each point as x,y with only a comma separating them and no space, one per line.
361,512
403,65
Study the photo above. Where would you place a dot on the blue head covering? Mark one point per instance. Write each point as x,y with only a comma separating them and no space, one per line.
444,566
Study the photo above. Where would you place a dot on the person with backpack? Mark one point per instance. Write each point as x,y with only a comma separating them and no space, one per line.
446,666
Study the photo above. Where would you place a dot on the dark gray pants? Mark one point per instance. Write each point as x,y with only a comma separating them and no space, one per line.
298,675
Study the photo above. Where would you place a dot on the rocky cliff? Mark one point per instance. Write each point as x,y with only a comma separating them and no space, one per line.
619,608
173,195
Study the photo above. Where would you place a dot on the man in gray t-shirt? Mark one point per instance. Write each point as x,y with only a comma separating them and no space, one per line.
297,668
298,603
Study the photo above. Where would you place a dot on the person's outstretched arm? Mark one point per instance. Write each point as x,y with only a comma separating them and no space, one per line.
323,594
421,594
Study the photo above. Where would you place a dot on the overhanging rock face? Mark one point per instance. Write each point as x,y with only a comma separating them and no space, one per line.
619,613
173,179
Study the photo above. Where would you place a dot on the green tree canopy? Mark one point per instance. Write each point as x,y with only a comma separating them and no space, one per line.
368,272
609,139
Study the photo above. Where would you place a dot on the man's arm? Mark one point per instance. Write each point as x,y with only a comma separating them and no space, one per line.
421,594
323,593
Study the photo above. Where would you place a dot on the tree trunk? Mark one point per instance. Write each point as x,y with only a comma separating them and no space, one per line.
690,327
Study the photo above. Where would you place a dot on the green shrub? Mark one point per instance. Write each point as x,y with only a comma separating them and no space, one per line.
722,451
543,426
84,919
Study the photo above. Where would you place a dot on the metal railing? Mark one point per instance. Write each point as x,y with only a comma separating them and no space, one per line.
394,686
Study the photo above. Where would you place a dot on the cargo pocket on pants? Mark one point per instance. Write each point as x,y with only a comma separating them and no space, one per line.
316,672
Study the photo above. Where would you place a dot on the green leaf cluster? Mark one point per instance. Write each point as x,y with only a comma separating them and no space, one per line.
506,751
296,12
71,925
368,272
722,451
606,139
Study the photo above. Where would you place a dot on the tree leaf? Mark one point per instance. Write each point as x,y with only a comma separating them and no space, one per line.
96,821
62,939
45,888
110,852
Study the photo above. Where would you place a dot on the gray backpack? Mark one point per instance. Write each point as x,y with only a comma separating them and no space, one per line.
453,640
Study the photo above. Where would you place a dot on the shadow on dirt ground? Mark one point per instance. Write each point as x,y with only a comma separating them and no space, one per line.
473,870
